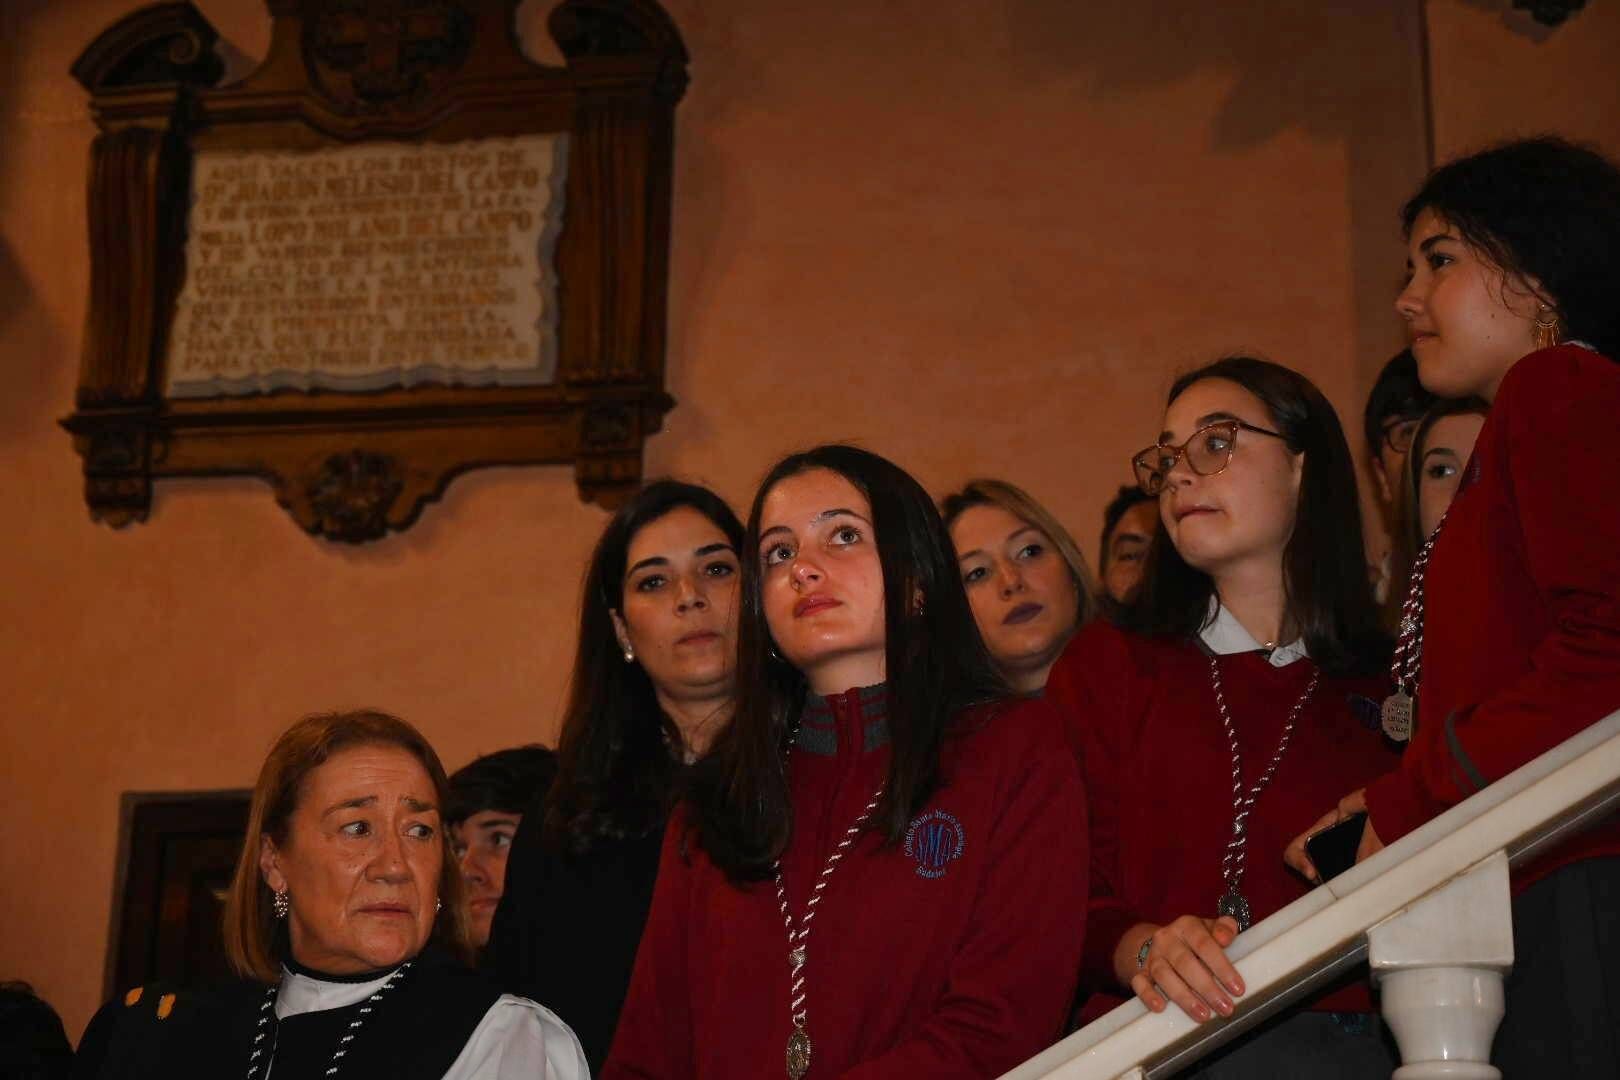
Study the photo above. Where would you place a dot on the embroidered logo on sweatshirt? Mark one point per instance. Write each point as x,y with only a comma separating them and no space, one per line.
1367,711
933,840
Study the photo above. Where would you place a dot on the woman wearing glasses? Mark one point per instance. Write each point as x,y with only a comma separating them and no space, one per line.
1239,688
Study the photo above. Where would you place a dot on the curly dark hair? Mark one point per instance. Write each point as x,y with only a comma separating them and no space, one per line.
1547,210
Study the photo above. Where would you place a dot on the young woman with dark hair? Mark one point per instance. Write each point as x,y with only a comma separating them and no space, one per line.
1240,687
654,679
1514,297
1441,444
877,784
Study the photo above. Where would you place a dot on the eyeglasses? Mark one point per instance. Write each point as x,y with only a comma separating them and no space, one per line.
1398,433
1208,452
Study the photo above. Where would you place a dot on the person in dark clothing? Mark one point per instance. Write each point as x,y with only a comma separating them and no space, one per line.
654,676
345,926
487,799
33,1045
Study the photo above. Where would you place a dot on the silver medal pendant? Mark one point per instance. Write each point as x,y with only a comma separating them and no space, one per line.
1234,906
798,1054
1397,716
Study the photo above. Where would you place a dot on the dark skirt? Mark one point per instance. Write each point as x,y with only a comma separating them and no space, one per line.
1563,1000
1563,997
1305,1046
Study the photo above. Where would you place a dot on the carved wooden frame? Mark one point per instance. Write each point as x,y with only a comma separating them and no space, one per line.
164,839
351,466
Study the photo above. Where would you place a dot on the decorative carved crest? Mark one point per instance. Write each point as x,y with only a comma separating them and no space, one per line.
1550,12
352,494
367,55
352,460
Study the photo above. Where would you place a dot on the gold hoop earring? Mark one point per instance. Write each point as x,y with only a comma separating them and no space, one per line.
1547,332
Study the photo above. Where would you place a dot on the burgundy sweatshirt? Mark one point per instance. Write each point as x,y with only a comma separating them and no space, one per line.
1158,773
1521,644
953,954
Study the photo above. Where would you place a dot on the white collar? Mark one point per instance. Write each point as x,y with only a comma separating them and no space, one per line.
1223,635
302,994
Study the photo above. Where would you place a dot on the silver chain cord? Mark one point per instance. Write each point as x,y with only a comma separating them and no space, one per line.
1407,662
1232,864
265,1016
798,951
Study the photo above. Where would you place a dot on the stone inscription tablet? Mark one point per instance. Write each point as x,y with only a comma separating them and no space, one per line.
370,267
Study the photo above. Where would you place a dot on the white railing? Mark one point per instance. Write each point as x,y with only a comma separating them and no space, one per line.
1430,914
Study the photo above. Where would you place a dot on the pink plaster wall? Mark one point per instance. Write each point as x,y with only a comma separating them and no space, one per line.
979,238
1497,73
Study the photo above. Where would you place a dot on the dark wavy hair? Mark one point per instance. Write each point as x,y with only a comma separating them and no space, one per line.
509,781
616,777
1329,598
1540,208
936,662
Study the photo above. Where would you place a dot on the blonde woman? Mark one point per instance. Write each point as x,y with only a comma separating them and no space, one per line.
1025,577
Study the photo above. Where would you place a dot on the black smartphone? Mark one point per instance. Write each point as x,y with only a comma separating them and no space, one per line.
1333,850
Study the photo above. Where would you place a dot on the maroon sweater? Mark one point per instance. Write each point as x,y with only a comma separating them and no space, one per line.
1158,775
954,954
1522,644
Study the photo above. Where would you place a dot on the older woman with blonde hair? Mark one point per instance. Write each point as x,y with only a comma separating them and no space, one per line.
1025,577
345,924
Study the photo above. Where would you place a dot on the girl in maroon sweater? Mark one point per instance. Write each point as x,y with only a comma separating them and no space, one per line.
877,788
1514,296
1252,648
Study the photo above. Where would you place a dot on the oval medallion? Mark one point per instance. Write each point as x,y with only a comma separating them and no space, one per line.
798,1054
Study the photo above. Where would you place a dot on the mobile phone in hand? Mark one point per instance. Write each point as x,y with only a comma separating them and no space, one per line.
1333,850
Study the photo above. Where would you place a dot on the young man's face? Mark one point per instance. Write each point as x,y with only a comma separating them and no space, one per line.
482,844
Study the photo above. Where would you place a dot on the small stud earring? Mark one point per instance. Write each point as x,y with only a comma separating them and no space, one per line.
281,905
438,906
629,654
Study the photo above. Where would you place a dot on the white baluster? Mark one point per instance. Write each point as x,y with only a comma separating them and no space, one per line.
1439,967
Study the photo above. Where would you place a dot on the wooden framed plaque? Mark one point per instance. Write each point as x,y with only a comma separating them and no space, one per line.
396,250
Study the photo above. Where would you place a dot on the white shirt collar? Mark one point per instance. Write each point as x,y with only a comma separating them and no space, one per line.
302,994
1223,635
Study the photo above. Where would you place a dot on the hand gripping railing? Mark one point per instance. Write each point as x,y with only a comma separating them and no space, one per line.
1430,913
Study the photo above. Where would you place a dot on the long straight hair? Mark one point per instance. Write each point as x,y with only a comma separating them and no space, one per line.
1328,597
935,660
616,777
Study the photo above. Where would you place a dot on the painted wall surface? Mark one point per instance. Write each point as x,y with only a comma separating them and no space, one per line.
1496,73
979,238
